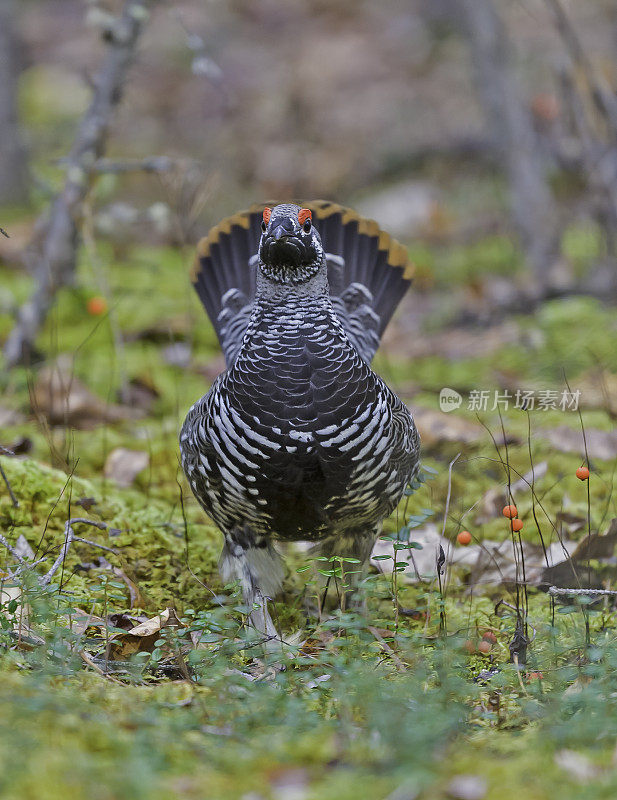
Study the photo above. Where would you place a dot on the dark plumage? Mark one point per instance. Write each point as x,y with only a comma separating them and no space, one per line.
299,439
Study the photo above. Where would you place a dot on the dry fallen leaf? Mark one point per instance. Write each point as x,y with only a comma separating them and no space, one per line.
600,444
455,343
140,393
80,620
436,427
64,400
495,498
142,637
578,766
123,465
467,787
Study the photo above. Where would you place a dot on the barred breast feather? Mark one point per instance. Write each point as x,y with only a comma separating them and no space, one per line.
298,439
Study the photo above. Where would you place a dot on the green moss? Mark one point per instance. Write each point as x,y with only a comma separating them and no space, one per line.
369,728
147,534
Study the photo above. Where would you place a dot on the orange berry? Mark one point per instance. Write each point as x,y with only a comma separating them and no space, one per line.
464,538
582,473
510,512
534,676
484,647
470,646
96,306
489,636
516,525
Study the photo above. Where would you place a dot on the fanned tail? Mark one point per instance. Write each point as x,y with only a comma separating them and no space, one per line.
369,272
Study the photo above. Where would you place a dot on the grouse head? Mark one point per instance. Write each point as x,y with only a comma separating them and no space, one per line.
290,249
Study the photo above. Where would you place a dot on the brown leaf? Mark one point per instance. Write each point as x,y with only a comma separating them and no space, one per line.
436,427
598,389
467,787
123,465
64,400
495,498
120,619
9,416
142,637
578,766
140,393
597,545
176,329
455,344
600,444
19,447
86,503
81,620
570,522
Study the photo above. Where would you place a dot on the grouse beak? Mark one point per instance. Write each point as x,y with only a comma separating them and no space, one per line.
282,245
281,231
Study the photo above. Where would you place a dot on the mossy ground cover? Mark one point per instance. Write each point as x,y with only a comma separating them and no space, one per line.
390,705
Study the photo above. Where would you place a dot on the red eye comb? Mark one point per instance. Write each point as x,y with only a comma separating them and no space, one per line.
267,215
303,215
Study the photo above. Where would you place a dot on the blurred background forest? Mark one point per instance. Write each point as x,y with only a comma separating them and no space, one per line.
483,135
452,123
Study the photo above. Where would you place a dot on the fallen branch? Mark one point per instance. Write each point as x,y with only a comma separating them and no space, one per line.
69,538
557,591
54,266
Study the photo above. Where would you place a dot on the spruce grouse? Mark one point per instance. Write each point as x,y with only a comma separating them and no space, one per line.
298,439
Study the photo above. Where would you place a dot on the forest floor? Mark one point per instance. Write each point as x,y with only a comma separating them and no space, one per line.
130,673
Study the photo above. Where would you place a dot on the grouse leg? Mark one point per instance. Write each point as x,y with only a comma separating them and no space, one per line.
259,568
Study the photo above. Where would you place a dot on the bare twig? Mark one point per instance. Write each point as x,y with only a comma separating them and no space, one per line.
11,549
95,544
387,649
69,537
55,263
14,500
85,657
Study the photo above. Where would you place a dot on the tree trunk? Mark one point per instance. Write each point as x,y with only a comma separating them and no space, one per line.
13,169
533,209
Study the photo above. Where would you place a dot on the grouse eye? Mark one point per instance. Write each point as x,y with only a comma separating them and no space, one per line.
307,226
263,225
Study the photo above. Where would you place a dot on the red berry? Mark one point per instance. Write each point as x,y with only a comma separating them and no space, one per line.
516,525
582,473
534,676
464,538
510,512
489,636
96,306
484,647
